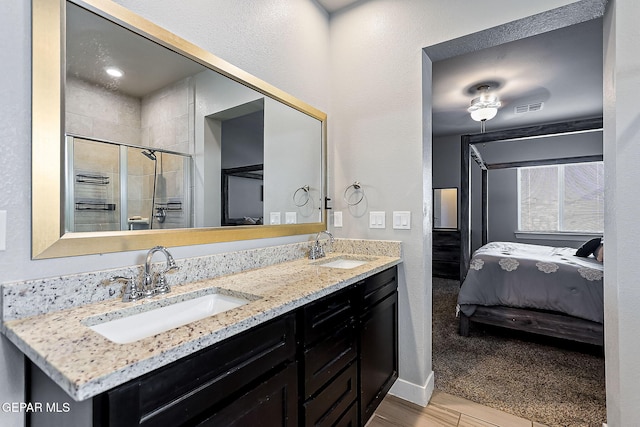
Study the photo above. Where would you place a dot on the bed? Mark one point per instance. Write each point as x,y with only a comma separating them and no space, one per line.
539,289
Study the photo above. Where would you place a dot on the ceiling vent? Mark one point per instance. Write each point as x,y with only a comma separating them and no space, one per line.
529,108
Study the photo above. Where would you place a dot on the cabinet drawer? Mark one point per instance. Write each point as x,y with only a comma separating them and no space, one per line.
446,253
324,360
333,401
349,418
326,315
448,270
380,286
273,403
184,389
446,238
217,373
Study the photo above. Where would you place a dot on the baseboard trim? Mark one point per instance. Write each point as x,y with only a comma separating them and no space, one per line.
414,393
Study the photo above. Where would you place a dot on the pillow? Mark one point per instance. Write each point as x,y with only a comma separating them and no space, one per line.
599,253
589,247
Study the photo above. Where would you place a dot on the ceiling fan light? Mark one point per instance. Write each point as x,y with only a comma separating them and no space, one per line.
484,107
482,114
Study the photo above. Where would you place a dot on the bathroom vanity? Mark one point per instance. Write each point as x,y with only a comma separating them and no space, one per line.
318,345
336,356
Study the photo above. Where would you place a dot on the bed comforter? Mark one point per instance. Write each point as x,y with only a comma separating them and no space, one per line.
534,277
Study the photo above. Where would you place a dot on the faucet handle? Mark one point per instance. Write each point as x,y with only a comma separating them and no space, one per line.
162,287
131,291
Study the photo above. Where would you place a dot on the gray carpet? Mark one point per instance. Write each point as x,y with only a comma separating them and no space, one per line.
554,382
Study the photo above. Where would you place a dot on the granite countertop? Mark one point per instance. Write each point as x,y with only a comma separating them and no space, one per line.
85,364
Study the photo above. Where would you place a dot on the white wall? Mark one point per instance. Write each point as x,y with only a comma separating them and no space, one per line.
214,93
291,143
380,133
621,228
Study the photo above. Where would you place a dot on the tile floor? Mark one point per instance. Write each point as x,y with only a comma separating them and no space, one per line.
444,410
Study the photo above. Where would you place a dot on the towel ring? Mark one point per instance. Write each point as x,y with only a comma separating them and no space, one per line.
306,193
357,188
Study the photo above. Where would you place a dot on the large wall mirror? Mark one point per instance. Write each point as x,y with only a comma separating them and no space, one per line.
141,138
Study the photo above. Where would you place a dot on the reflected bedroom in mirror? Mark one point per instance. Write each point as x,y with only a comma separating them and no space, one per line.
445,208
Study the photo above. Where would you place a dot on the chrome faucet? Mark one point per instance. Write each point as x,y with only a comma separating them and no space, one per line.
159,286
151,284
317,251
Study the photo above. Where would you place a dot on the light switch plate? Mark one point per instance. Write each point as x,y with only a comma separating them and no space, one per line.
377,219
274,218
401,220
290,218
337,219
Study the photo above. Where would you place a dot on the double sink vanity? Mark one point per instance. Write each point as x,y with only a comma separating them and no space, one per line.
299,342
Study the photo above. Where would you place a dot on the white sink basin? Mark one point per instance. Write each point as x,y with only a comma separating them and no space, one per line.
133,327
342,262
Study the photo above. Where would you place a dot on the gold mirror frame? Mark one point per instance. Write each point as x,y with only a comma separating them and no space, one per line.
47,206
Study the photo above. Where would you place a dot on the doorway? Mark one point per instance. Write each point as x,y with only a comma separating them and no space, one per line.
476,45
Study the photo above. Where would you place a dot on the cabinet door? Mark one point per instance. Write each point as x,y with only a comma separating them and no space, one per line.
270,404
378,354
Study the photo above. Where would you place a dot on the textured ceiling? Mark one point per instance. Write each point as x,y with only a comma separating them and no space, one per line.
560,68
93,43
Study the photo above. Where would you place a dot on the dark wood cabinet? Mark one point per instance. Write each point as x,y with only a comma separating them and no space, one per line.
198,387
446,254
378,340
329,363
271,403
329,353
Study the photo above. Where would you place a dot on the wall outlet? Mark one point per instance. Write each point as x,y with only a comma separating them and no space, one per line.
290,218
337,219
274,218
377,219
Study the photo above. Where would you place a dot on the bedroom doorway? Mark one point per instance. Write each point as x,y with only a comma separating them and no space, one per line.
464,358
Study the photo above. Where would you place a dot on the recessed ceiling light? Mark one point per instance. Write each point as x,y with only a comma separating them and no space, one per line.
114,72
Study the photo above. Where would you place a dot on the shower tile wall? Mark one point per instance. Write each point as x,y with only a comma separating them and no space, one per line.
165,124
99,113
140,169
160,120
164,121
96,186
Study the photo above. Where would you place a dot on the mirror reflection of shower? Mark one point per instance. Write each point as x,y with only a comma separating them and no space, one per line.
111,187
156,212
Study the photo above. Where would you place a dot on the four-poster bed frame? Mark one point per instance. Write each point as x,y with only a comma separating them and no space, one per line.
535,321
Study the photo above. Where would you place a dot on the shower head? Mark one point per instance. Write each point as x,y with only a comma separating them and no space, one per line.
149,154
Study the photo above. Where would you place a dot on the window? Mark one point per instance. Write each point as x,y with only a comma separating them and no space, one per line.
561,198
